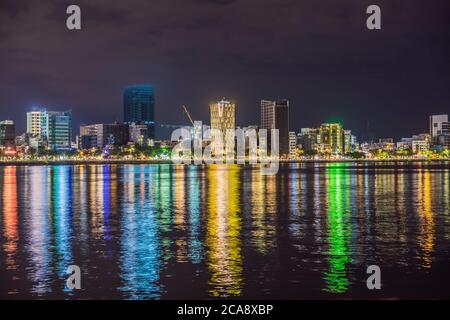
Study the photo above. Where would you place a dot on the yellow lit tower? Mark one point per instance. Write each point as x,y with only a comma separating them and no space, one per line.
332,138
222,115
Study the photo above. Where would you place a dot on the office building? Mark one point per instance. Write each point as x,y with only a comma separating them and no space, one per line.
436,122
34,122
331,138
54,127
417,143
139,106
275,115
7,133
138,133
102,135
308,139
348,147
292,145
223,115
443,139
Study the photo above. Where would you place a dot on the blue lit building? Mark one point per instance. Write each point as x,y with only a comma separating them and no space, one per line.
54,127
139,106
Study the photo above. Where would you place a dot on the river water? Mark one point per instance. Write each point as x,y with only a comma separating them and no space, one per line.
162,231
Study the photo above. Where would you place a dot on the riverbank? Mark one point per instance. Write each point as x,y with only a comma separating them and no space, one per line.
147,161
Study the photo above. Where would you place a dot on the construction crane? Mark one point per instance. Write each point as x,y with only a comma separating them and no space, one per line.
186,112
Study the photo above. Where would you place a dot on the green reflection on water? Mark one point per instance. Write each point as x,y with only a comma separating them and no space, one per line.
336,278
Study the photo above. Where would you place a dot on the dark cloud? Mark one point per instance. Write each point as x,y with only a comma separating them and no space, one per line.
317,53
219,2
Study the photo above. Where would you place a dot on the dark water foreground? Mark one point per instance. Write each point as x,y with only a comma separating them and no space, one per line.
159,231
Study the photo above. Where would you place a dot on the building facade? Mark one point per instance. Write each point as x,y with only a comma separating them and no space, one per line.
34,122
417,143
102,135
54,127
436,123
331,138
292,145
223,115
138,133
308,140
348,146
7,133
139,106
275,115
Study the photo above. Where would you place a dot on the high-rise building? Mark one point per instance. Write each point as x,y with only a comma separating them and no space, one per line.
292,144
332,138
309,139
223,115
54,127
139,133
348,141
436,122
275,115
139,106
34,122
443,138
446,128
7,133
102,135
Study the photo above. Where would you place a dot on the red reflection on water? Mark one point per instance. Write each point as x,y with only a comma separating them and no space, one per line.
10,227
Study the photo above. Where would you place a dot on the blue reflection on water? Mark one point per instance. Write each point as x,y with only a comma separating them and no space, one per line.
195,244
140,252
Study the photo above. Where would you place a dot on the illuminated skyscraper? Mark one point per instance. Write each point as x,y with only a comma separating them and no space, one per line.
332,138
56,128
34,121
275,115
348,147
292,144
139,106
53,126
222,115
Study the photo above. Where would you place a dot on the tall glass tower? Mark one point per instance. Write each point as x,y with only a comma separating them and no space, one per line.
139,106
53,126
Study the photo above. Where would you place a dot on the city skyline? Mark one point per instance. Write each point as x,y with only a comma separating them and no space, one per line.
261,123
160,135
137,130
52,131
226,156
198,51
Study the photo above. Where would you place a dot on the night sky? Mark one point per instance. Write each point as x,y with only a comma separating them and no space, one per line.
319,54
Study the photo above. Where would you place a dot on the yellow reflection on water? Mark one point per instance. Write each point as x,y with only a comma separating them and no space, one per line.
426,218
181,251
223,231
445,183
262,232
